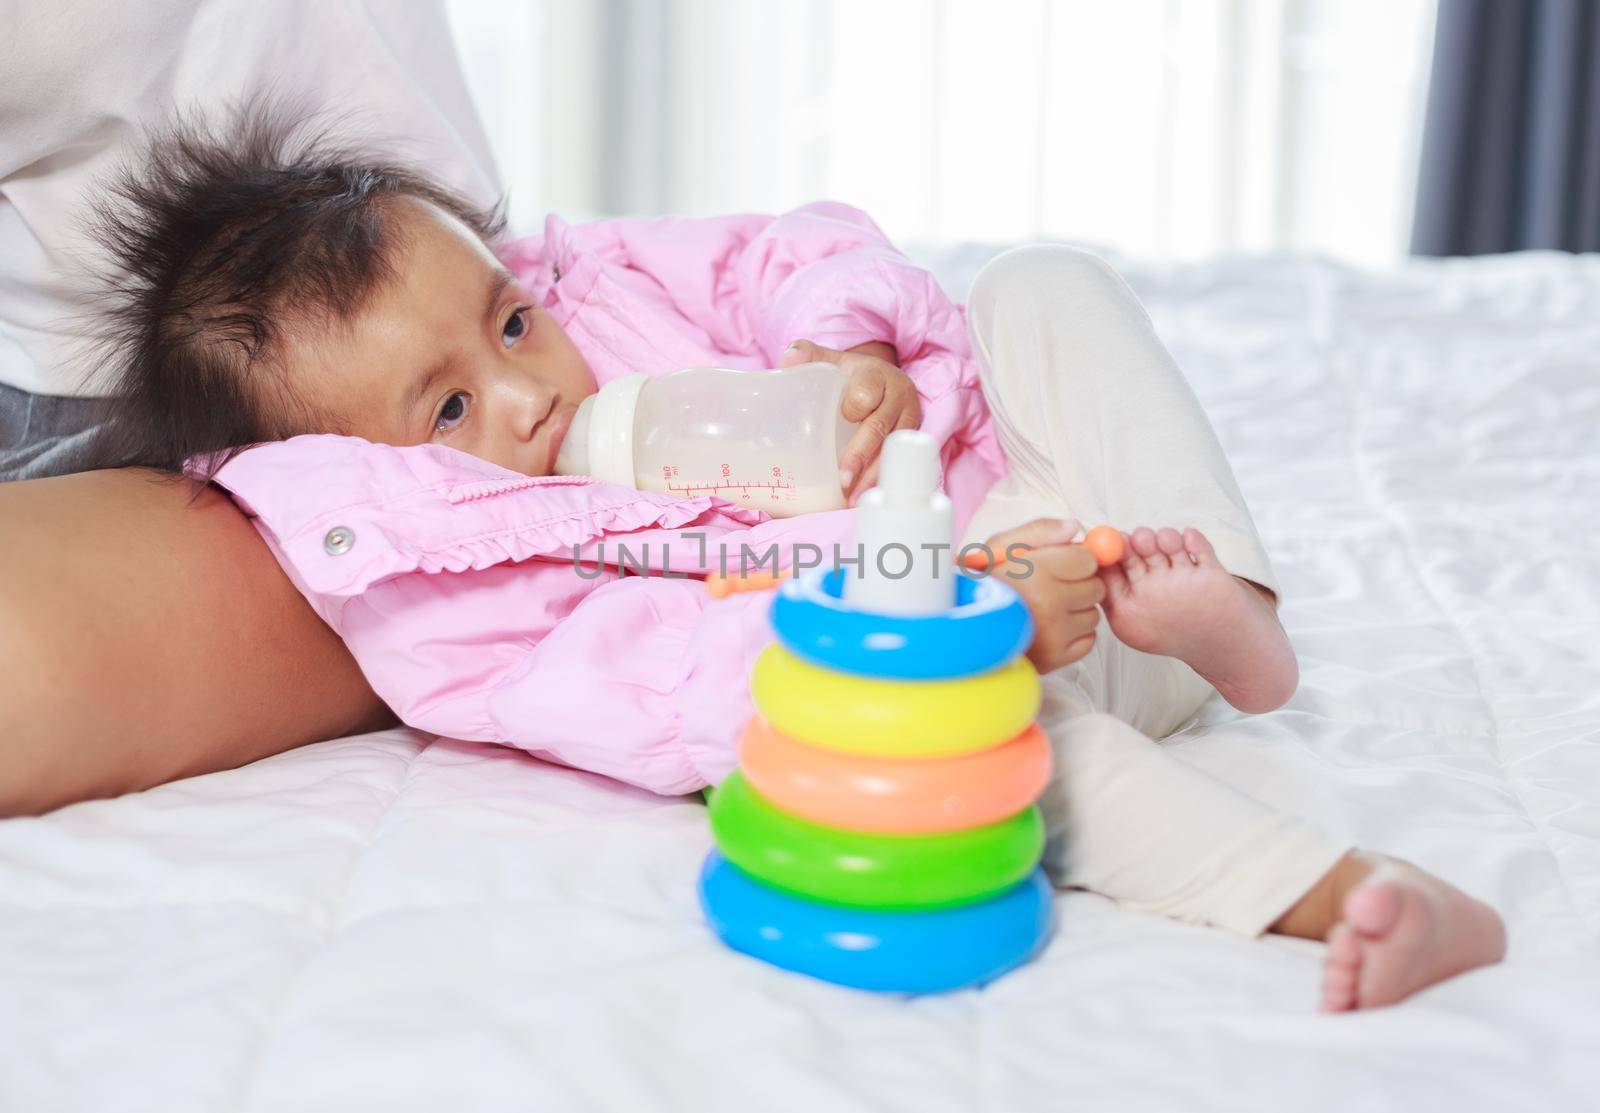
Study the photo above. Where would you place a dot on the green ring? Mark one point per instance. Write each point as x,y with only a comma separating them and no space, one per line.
870,870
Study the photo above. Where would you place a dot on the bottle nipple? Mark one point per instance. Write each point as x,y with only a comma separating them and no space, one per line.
573,456
600,440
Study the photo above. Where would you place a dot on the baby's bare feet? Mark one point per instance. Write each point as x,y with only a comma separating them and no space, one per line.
1404,930
1171,596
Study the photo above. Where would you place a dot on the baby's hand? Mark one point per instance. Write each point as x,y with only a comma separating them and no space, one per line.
1061,589
878,395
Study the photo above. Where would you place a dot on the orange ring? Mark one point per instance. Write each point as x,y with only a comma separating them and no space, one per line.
895,795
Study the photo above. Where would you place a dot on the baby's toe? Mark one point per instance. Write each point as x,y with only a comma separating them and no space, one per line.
1146,544
1134,567
1341,970
1344,948
1374,907
1196,545
1169,541
1338,989
1115,577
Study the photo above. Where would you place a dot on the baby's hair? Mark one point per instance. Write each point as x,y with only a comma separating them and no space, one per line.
223,238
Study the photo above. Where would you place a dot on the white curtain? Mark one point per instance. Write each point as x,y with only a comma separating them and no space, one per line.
1164,128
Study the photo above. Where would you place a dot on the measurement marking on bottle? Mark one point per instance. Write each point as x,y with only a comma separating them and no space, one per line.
676,487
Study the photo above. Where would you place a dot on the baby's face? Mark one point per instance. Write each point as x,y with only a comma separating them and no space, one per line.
452,351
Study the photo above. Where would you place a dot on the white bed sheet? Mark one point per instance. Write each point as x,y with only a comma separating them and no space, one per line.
396,922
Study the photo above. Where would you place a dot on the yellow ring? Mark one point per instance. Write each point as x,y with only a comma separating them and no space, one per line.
894,718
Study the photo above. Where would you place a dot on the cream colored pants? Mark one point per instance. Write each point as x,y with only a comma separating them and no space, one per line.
1098,424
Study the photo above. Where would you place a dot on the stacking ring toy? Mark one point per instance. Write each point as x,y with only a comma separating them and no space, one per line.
987,627
893,718
891,795
908,952
870,870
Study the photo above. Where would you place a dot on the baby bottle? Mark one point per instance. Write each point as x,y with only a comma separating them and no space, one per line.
764,439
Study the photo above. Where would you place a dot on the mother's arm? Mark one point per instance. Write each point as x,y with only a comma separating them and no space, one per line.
143,638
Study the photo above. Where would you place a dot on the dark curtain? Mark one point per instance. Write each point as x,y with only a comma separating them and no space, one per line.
1511,144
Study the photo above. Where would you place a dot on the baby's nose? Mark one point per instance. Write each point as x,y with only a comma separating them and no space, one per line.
528,403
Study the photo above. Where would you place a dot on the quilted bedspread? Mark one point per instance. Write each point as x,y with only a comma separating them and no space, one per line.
400,922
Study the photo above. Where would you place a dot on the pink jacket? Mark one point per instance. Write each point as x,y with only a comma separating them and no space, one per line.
453,581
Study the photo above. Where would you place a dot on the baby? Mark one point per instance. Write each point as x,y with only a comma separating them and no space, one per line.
352,351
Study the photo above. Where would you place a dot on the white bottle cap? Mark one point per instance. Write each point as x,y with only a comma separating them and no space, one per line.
600,439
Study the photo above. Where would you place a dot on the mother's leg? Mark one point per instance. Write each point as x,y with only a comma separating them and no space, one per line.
143,639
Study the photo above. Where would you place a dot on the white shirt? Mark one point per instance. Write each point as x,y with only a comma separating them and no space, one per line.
80,80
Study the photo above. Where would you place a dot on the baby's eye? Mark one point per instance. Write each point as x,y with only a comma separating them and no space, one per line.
516,327
451,413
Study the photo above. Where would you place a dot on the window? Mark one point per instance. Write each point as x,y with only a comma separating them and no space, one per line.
1163,128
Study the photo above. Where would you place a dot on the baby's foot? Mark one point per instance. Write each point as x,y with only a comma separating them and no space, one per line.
1171,596
1404,930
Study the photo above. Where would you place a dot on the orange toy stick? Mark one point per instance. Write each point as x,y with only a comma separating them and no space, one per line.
721,586
1103,542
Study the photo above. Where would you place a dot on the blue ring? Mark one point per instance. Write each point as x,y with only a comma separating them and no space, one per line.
988,626
896,952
